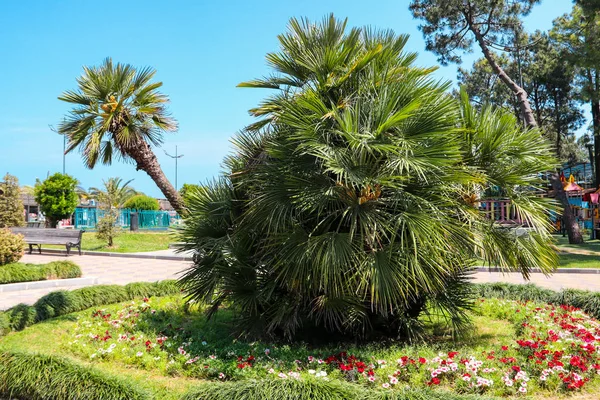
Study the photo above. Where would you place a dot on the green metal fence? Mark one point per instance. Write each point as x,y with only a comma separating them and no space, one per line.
87,218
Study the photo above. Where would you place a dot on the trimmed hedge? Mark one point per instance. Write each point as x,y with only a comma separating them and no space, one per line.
271,389
41,377
19,272
586,300
63,302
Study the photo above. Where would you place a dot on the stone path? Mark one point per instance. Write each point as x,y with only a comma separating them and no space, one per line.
121,270
108,270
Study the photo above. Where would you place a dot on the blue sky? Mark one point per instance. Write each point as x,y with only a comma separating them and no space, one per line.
201,50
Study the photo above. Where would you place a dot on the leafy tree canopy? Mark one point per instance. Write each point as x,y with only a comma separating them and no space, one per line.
57,197
11,206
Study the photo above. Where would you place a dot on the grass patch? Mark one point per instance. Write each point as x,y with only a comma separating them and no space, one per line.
20,272
589,245
127,242
578,261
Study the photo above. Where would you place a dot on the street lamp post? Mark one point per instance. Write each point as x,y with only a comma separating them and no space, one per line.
176,157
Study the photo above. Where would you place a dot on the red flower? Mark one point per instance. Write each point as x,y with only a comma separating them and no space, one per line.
505,348
422,360
452,354
433,381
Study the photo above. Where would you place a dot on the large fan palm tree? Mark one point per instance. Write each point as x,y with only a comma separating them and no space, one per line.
349,204
120,112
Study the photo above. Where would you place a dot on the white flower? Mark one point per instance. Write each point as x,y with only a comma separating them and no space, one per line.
321,374
282,375
271,371
523,389
393,380
221,375
386,385
311,371
139,354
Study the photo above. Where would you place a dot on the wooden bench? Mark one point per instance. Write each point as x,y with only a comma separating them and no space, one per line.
39,236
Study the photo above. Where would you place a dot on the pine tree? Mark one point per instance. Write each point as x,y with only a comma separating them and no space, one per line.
11,206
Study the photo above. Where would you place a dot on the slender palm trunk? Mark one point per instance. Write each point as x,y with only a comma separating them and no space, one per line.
146,161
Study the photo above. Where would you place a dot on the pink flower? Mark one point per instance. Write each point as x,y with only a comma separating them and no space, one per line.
221,375
371,379
386,385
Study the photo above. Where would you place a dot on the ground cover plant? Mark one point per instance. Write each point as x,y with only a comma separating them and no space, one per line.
21,272
518,349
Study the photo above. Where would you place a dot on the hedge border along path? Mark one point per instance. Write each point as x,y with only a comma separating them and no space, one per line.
41,377
63,302
267,389
20,272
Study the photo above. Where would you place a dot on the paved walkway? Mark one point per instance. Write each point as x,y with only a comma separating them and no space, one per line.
117,270
108,270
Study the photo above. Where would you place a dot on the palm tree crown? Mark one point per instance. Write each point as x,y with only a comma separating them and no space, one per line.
118,111
114,194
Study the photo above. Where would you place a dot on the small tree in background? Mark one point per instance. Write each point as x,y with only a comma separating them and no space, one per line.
142,202
107,228
187,189
11,206
11,246
57,197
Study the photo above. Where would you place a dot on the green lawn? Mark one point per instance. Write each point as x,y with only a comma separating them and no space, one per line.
571,260
589,245
128,242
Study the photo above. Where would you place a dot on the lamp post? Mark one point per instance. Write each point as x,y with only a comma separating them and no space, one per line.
176,157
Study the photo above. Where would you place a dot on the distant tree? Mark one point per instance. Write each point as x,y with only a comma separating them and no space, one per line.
119,112
549,80
453,26
579,35
142,202
188,189
11,206
56,197
114,194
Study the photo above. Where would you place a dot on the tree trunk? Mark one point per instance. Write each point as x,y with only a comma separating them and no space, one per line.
570,223
519,92
529,119
596,129
146,161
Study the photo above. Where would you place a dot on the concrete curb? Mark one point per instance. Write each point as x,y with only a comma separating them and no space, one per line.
57,283
120,255
538,271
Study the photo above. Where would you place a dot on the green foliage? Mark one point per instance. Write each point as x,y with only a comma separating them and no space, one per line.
11,206
63,302
114,194
270,389
11,246
187,189
57,197
19,272
41,377
346,207
451,26
107,228
142,202
586,300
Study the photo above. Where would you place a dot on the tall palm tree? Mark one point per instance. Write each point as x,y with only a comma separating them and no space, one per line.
114,194
119,111
347,206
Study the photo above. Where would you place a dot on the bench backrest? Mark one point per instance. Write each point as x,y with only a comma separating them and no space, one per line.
49,233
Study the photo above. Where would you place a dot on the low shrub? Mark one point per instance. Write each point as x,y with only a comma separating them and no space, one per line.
311,390
11,247
142,202
584,299
63,302
19,272
41,377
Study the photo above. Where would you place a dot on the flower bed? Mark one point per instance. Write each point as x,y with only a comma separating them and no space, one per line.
554,351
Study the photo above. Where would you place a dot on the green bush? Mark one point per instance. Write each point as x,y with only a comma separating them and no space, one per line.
11,246
310,390
41,377
141,202
57,197
19,272
337,216
63,302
